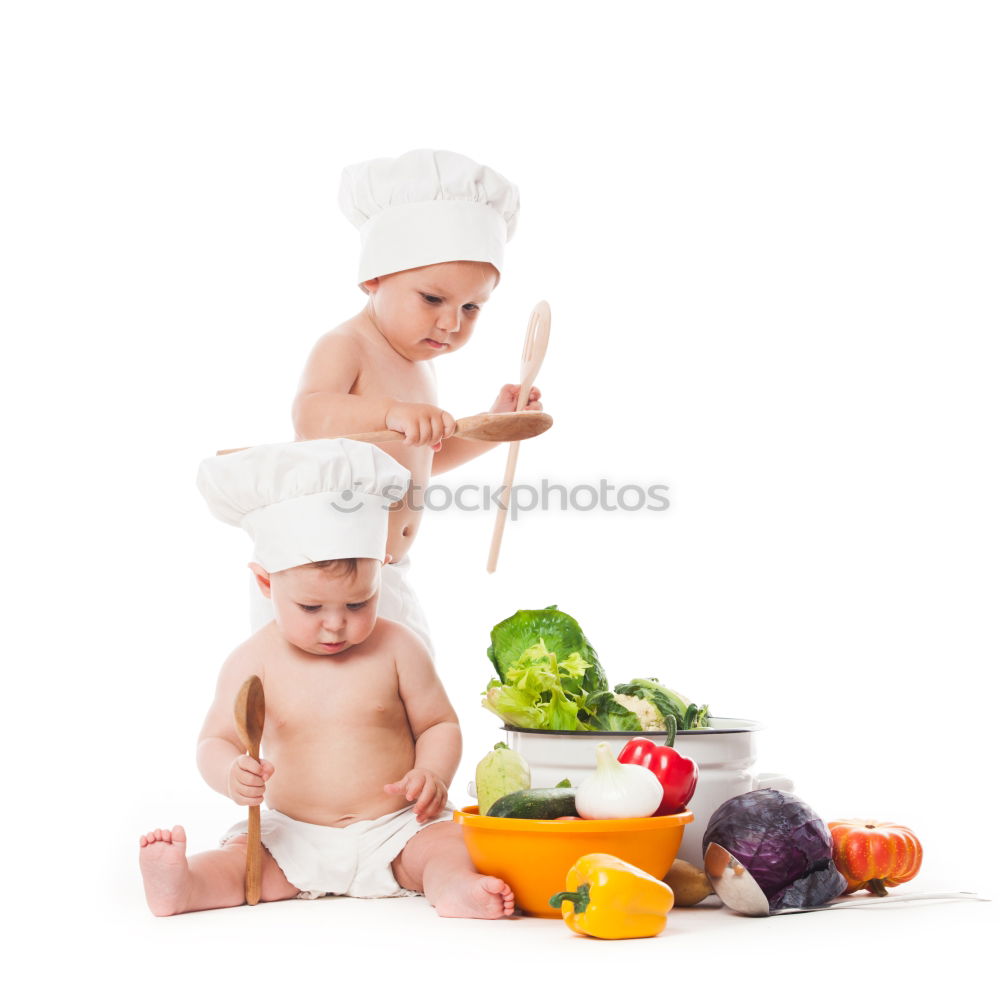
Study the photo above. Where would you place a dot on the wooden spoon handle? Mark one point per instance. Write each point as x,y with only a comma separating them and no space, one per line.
536,343
501,519
254,856
376,437
479,427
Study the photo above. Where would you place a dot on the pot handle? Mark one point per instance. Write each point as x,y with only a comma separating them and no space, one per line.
771,779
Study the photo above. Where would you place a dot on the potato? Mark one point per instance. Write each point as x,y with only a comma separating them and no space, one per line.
690,885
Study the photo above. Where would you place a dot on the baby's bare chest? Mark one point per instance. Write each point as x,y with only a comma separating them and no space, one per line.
321,700
390,375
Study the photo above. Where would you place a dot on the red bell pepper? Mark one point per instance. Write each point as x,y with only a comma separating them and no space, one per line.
676,773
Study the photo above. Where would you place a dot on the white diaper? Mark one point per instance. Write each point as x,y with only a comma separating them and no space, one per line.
353,860
397,601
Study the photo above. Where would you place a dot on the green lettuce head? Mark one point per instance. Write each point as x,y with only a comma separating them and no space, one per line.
539,693
560,635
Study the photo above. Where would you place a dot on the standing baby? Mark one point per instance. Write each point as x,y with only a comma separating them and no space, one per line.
360,739
433,227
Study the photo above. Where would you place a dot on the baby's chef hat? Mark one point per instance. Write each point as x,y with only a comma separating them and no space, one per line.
426,207
306,501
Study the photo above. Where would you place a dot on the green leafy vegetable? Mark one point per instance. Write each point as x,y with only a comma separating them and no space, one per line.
662,701
696,717
648,714
548,677
561,635
606,713
540,692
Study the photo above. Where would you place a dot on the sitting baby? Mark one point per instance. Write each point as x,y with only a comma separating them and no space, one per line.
361,741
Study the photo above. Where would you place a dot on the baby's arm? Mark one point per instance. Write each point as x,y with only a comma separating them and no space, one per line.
457,451
434,725
325,407
221,757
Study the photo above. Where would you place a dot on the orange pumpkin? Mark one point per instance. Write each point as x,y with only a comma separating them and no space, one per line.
874,855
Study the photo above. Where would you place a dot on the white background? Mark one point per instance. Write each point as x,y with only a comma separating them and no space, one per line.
768,233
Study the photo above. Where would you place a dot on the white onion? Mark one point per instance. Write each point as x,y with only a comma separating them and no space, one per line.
618,791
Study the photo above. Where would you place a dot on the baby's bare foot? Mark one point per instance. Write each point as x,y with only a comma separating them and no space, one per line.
164,868
470,895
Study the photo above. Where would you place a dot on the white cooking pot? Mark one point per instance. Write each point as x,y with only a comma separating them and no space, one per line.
725,755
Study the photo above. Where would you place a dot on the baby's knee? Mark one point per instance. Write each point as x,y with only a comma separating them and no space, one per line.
438,841
435,837
273,884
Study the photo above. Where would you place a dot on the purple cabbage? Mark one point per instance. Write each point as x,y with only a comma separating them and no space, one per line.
782,843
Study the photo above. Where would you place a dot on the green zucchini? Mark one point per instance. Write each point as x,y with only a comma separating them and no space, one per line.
536,803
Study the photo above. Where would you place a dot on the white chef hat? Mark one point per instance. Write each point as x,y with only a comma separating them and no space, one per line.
426,207
306,501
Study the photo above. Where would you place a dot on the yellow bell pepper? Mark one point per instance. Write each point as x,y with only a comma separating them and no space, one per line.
609,898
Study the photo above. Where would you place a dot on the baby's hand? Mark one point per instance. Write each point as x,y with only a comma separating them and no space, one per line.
507,400
429,791
421,423
246,780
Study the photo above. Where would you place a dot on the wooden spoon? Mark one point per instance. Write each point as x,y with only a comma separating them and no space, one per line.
480,427
536,342
249,716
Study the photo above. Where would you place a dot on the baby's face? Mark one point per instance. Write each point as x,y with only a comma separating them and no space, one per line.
430,311
326,611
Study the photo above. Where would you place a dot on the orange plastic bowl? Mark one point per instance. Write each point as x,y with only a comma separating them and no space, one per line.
533,855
